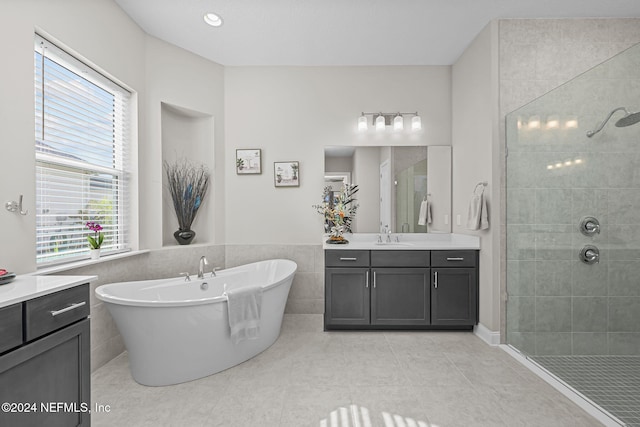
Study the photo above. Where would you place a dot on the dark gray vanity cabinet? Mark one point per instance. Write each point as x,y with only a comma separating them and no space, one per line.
454,293
401,289
46,378
347,300
400,296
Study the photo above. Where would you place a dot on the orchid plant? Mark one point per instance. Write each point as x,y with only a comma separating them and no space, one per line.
96,240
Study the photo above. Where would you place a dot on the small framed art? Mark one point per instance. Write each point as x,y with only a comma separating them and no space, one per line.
249,161
286,174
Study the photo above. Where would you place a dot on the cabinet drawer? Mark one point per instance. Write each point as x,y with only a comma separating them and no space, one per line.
54,311
10,327
399,258
344,258
454,258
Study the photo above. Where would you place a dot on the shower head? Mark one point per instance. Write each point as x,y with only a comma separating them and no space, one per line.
628,120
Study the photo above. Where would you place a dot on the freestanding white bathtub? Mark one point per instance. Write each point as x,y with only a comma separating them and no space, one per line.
177,331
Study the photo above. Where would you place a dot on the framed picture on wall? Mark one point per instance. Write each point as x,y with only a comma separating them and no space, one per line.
249,161
286,174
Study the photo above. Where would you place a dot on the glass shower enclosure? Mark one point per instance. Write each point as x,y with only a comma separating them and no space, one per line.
573,234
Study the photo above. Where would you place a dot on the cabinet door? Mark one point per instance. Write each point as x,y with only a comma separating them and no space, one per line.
347,296
454,296
400,296
51,373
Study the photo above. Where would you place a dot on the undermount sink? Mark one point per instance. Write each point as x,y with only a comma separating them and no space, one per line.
393,244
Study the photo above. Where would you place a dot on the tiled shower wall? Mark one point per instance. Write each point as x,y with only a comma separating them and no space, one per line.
306,295
556,175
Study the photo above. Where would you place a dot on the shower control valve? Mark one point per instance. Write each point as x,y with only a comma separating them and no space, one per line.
590,254
589,226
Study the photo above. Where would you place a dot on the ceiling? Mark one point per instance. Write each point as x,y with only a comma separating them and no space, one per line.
344,32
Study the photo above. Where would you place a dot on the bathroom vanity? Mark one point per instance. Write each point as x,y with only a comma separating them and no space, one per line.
44,351
419,282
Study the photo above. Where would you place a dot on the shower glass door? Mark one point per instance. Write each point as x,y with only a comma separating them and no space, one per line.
573,219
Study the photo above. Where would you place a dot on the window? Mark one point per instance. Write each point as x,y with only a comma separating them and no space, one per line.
81,143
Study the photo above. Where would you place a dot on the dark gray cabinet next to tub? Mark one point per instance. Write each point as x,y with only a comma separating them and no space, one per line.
400,289
45,373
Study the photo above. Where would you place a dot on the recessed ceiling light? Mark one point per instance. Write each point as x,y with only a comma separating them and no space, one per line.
212,19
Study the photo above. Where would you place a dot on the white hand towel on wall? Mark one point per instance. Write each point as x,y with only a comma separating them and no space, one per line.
244,306
424,216
477,218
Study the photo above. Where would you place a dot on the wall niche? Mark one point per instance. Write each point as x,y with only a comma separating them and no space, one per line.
187,134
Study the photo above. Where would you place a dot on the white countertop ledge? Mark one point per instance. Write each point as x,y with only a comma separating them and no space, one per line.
26,287
407,241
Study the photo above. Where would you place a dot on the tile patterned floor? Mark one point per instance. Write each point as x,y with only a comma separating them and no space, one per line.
346,379
612,382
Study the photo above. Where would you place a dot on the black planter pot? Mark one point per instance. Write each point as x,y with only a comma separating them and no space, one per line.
184,237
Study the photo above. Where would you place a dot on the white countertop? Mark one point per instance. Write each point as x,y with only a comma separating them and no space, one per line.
407,241
26,287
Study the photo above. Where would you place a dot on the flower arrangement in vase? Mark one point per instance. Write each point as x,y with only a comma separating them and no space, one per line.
95,241
339,210
188,185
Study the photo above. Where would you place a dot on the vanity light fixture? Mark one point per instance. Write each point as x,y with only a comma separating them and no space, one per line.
213,19
416,123
398,122
381,120
362,123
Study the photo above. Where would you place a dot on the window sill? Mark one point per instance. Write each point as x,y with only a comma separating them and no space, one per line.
86,262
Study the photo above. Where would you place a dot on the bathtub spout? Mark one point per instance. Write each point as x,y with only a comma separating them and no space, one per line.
203,262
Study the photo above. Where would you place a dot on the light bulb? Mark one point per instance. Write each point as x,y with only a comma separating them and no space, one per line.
362,123
416,123
398,123
380,123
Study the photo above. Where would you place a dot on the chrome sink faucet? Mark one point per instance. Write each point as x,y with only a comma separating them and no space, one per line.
389,236
203,262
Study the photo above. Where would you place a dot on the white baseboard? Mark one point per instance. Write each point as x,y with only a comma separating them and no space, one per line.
578,398
487,335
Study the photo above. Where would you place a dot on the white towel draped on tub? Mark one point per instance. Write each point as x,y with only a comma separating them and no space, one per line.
424,216
477,218
244,306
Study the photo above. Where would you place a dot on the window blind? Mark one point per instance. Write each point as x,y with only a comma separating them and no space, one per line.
81,149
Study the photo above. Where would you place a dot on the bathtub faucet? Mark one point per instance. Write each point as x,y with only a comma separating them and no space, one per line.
203,262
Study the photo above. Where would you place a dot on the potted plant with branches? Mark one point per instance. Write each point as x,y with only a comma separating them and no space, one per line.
188,184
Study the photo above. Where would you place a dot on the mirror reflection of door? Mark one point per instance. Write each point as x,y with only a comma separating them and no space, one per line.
385,196
413,173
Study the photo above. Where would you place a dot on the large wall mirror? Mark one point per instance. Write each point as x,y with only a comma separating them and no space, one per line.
393,184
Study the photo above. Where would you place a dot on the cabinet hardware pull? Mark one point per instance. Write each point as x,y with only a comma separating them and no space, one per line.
348,259
455,259
435,281
374,280
71,307
366,280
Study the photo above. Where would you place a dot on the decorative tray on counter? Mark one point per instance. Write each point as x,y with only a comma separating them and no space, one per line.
6,276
